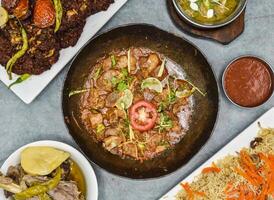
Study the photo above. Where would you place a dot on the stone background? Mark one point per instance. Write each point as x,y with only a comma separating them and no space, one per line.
21,124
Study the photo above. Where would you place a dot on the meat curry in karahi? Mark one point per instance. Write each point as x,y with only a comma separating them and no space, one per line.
136,103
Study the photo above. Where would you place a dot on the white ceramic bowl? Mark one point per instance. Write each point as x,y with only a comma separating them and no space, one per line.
90,178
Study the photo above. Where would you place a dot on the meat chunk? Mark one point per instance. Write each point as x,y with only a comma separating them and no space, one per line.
15,173
112,142
105,81
114,114
122,62
32,180
152,62
95,119
44,13
112,98
66,190
130,149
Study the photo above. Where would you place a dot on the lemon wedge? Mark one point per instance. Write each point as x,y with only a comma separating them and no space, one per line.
4,16
153,84
42,160
125,101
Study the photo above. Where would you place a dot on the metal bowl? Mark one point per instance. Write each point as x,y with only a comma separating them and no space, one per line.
248,56
197,69
240,8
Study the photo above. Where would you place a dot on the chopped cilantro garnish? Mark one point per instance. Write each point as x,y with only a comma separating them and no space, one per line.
165,122
122,86
172,97
124,72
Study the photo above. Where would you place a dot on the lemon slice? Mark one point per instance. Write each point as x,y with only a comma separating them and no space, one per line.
125,101
153,84
4,16
42,160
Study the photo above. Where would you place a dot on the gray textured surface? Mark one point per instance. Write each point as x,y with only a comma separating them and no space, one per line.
21,124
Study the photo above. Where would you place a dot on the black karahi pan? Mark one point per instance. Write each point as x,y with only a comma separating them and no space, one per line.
198,71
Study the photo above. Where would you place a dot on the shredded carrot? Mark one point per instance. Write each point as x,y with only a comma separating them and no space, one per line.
260,179
190,192
248,178
213,168
228,187
250,171
242,193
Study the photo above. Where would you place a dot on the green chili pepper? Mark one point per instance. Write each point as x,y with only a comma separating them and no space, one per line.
59,14
41,188
20,80
19,54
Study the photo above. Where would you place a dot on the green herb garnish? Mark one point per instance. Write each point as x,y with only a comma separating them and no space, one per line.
165,122
124,72
75,92
19,80
97,73
113,61
171,96
19,54
161,107
122,82
122,86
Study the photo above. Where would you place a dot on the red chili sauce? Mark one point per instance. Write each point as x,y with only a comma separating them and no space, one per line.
248,82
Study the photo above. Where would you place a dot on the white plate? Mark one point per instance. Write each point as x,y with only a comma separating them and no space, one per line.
242,140
90,178
30,89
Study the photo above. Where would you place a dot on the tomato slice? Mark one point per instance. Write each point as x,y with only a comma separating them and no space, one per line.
142,115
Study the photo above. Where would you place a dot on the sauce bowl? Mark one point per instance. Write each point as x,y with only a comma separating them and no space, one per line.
269,69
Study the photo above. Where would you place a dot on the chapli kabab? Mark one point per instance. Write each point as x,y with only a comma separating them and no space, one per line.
44,173
136,103
32,32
